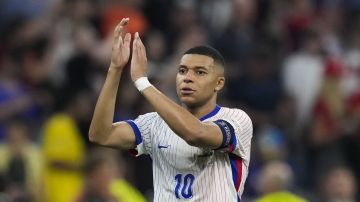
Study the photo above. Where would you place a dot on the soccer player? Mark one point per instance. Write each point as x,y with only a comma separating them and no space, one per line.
200,151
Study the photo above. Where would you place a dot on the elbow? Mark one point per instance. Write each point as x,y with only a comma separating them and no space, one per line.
193,142
93,138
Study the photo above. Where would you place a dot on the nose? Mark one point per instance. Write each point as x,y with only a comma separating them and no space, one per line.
188,77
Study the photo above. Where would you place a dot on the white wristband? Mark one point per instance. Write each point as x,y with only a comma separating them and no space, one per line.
142,83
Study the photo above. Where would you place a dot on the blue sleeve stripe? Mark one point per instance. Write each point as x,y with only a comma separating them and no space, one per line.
227,131
234,141
223,133
136,131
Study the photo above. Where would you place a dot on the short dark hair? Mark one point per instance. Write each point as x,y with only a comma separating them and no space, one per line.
207,51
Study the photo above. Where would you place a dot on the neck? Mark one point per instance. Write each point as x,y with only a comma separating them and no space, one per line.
202,110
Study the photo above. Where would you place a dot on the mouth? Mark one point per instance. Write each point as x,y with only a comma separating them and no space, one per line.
186,91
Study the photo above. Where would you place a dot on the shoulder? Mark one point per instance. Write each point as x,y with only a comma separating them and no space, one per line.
234,113
149,118
237,117
150,115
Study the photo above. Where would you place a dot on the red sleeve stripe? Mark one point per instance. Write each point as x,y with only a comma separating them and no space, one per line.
236,168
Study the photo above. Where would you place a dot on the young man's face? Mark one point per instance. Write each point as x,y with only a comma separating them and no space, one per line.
197,80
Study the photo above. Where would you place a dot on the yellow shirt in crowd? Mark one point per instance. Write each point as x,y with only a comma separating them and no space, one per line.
62,143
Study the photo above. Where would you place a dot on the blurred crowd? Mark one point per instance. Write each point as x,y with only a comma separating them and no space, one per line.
292,65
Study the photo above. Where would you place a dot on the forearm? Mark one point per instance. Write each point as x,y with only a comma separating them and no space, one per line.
101,123
181,121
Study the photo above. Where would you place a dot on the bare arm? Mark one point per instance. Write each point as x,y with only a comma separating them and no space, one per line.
181,121
102,131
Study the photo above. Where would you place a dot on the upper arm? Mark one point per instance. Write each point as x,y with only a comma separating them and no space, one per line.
241,144
232,134
132,134
209,136
121,136
218,134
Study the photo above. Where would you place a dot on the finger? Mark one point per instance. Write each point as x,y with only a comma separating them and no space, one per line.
120,42
127,40
134,47
142,50
124,21
137,44
116,36
122,25
120,28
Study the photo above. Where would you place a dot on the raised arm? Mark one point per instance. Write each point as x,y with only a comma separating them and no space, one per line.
102,131
181,121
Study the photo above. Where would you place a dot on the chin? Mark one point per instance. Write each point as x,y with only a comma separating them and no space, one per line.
188,101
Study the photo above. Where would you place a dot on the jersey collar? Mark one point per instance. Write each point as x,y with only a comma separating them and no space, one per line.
212,113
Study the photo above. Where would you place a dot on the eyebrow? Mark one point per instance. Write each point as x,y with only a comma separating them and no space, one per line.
195,67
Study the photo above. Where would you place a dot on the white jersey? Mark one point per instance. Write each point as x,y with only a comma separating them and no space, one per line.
186,173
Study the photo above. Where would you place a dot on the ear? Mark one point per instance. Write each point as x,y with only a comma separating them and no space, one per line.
220,83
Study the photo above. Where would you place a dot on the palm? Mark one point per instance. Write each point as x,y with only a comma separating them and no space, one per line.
121,46
138,60
120,56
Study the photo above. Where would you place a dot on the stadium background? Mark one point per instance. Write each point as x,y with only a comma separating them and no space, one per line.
294,66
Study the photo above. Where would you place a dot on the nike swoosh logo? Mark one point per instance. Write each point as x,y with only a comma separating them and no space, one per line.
163,147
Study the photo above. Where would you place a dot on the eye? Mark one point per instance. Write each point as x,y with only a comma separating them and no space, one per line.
182,71
200,72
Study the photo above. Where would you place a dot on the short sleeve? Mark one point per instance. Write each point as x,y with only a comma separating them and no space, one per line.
142,130
237,132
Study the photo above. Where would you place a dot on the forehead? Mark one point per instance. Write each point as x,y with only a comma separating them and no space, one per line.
196,60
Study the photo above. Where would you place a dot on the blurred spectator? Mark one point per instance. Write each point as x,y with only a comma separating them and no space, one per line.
274,183
105,181
351,141
15,99
329,108
64,151
12,9
260,81
351,81
338,185
327,126
271,144
215,15
299,16
353,114
330,23
285,116
304,70
21,163
238,37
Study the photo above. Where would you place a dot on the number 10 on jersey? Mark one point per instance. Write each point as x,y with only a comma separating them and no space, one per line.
184,184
